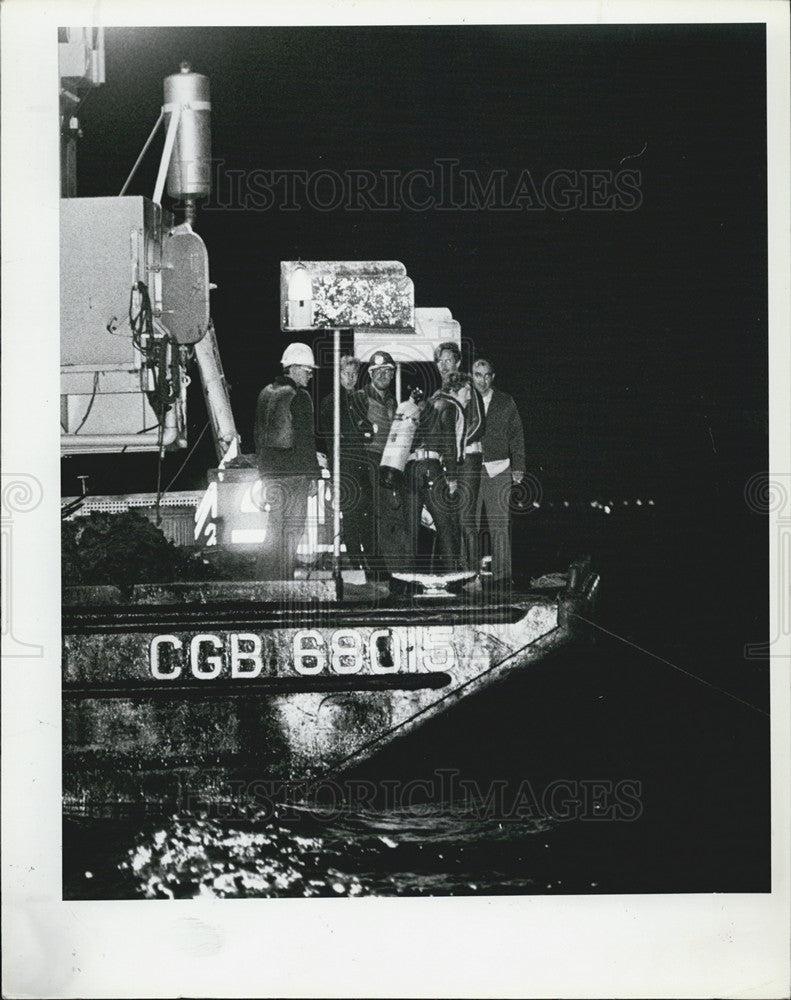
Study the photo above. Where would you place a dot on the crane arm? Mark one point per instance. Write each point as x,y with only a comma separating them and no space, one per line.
215,392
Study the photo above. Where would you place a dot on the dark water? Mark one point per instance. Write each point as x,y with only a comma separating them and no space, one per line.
610,768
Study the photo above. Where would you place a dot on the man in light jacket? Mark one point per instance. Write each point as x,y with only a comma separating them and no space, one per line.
447,357
503,464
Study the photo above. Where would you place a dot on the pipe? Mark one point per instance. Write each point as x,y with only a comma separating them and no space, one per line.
190,210
164,163
143,152
215,392
336,463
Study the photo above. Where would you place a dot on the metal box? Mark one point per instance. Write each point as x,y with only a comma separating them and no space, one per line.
107,245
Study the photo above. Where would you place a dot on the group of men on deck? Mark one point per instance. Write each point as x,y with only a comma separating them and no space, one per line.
467,451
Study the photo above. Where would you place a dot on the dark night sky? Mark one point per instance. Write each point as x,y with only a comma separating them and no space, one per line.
631,340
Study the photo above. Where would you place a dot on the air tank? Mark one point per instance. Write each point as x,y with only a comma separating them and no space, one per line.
399,440
189,174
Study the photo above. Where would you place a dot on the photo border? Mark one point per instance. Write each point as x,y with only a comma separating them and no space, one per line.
618,945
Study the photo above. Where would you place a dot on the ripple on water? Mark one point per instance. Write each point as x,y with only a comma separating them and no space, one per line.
357,854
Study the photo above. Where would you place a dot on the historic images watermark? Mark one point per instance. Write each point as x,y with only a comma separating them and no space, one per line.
445,186
445,793
768,496
21,493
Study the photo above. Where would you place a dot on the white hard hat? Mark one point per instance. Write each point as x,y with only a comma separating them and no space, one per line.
381,359
298,354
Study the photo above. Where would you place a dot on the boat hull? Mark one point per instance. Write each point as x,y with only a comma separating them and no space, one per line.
165,702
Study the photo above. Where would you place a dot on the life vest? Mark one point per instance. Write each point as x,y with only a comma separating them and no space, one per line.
278,423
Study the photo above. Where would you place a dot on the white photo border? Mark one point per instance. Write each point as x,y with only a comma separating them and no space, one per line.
592,946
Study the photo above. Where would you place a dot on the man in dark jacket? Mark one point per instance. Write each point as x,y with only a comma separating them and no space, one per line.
503,464
448,360
432,472
356,496
374,407
285,448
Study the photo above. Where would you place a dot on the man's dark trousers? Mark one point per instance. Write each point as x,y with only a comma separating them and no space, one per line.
469,480
426,486
357,507
286,498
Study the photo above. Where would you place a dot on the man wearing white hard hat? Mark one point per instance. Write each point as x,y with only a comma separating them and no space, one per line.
285,448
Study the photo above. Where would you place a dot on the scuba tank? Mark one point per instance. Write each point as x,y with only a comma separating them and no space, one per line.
399,441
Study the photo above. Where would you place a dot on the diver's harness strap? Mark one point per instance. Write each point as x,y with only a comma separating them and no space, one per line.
423,454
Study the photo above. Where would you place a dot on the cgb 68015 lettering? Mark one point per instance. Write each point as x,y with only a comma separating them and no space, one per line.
308,652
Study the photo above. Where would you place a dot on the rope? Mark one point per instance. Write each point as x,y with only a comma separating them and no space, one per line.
516,652
154,351
142,153
448,694
90,404
159,473
189,455
681,670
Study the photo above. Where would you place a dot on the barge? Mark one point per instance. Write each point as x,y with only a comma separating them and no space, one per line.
168,698
172,691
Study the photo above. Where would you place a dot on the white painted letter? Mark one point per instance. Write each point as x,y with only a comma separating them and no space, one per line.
238,656
309,657
214,662
393,647
438,650
347,651
156,672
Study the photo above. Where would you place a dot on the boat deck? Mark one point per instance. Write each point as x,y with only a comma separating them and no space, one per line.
294,594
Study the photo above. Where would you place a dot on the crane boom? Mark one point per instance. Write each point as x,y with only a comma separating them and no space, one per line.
215,392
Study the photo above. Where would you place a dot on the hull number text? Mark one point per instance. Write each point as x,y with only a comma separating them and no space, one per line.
308,652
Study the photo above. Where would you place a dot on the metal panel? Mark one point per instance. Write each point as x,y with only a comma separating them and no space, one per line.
185,286
106,244
114,413
341,294
433,326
